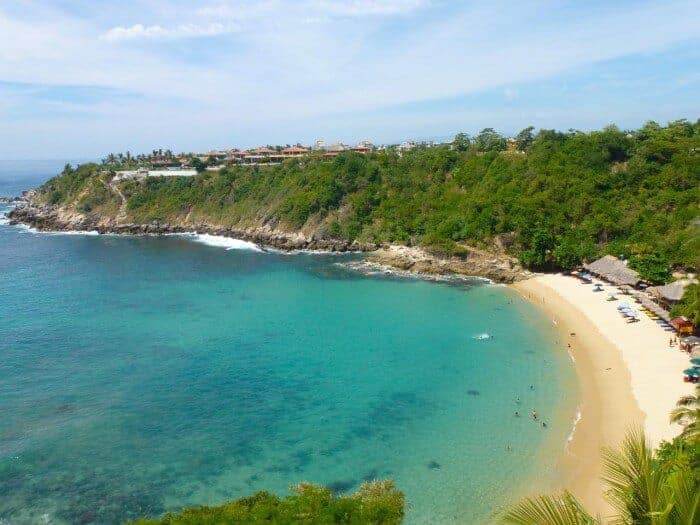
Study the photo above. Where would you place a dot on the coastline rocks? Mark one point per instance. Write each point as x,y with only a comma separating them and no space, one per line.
494,265
53,218
10,200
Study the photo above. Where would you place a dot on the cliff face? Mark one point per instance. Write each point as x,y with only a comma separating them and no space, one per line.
494,265
54,218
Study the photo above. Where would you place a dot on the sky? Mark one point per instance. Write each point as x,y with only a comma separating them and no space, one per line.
81,78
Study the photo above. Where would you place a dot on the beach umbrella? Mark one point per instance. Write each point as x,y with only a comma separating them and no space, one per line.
695,360
692,372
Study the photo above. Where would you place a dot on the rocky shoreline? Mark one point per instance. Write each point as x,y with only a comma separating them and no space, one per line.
493,265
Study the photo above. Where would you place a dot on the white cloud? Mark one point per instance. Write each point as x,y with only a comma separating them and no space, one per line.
367,7
268,70
246,9
156,32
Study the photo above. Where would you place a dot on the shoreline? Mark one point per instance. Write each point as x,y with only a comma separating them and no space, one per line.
494,264
619,368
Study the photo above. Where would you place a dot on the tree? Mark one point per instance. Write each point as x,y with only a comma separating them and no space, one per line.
489,140
461,142
524,139
652,267
538,254
198,165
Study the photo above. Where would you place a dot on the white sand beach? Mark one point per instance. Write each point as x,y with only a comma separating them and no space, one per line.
628,375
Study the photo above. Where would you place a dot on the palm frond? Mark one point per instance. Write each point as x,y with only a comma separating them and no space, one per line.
686,401
634,484
682,414
563,509
681,489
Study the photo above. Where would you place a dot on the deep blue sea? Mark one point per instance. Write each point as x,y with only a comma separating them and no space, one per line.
141,374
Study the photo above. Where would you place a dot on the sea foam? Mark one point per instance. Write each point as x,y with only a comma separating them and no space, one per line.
570,437
222,242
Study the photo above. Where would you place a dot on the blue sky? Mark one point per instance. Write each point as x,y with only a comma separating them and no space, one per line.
81,78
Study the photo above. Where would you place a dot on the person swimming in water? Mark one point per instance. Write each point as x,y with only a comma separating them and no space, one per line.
534,414
544,425
517,414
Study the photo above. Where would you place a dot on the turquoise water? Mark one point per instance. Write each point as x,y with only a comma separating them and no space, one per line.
141,374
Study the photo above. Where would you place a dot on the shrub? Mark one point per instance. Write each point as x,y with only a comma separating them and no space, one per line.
378,502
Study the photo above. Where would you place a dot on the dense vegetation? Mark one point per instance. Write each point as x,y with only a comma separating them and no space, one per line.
378,502
553,200
645,487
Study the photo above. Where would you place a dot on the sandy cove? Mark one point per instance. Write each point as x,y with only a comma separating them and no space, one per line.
628,375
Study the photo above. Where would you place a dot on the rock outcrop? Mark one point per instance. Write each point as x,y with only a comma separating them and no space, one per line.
494,265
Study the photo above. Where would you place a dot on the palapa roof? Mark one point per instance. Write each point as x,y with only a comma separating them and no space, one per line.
670,292
614,270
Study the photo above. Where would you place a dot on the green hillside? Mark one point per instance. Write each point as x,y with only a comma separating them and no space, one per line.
553,200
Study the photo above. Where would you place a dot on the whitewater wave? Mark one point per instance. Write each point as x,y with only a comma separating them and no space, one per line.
279,251
73,232
4,220
573,429
219,241
483,337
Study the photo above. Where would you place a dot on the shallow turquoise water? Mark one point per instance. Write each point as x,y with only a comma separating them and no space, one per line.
138,375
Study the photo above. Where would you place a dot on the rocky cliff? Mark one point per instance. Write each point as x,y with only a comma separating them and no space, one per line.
494,264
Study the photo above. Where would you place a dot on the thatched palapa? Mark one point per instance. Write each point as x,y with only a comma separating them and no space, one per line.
614,270
671,293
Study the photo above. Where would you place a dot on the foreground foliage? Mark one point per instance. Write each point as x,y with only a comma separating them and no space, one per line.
378,502
559,199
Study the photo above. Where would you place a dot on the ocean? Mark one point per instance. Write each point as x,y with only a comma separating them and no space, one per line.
142,374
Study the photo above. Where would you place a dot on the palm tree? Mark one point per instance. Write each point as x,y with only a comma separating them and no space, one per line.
641,489
687,413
